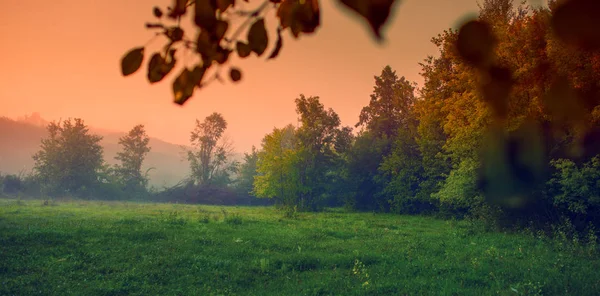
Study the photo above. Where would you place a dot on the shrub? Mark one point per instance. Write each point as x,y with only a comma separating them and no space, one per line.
289,211
459,194
12,184
575,190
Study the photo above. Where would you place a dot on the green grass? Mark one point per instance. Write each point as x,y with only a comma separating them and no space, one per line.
117,248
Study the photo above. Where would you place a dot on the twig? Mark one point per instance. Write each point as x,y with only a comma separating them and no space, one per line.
153,38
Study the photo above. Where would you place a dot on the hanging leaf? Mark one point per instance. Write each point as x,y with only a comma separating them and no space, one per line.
235,74
157,12
223,5
196,75
154,68
183,86
158,67
243,49
278,45
205,16
308,16
179,8
207,47
222,55
475,43
285,13
577,22
257,37
299,16
132,61
220,30
376,12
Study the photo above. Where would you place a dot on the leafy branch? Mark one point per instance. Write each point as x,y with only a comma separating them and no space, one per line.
213,19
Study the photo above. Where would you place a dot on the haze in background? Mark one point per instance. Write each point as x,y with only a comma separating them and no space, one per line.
61,59
20,139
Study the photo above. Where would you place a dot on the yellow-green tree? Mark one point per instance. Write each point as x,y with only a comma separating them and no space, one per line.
70,159
277,168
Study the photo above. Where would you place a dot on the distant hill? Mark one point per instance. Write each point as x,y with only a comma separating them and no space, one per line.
18,142
21,138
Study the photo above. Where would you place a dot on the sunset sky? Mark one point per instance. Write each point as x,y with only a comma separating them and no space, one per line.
61,58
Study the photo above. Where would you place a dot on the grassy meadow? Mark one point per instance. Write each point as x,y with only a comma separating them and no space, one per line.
122,248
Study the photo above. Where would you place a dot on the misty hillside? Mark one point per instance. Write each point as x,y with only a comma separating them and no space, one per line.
20,139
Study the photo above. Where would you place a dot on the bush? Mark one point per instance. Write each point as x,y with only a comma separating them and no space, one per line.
459,194
107,191
12,184
575,190
289,211
191,193
32,186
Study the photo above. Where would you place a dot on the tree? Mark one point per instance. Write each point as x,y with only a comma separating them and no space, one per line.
389,112
11,184
317,139
576,189
401,172
390,104
301,166
135,147
510,89
70,158
278,174
363,160
247,172
491,116
208,159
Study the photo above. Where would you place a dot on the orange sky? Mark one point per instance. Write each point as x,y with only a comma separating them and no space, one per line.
61,58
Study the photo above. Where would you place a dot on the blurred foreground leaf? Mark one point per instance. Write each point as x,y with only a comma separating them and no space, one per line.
132,61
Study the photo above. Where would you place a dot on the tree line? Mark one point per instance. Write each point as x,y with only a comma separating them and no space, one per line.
505,128
70,163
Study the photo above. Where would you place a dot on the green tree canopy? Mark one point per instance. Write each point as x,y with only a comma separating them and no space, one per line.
390,104
277,167
210,151
70,158
247,172
135,147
